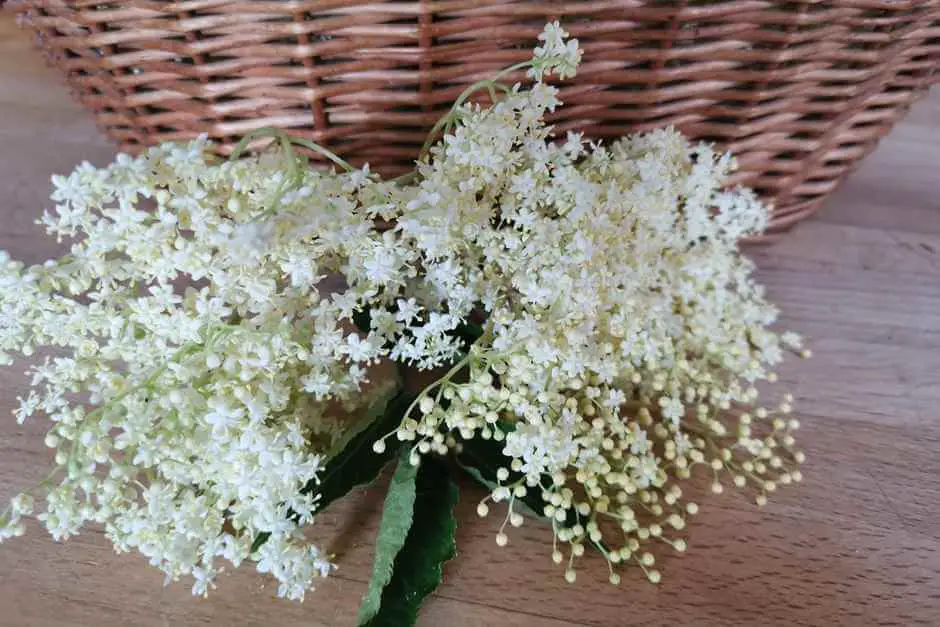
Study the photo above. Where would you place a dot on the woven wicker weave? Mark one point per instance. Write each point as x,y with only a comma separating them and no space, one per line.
800,91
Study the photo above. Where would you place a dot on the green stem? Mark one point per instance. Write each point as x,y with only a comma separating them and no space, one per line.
286,142
296,166
45,482
491,84
267,131
320,150
406,178
512,68
438,382
212,337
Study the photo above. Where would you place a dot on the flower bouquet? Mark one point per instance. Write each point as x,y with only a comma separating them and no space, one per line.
226,349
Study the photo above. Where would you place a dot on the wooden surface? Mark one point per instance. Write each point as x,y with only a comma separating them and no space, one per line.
858,543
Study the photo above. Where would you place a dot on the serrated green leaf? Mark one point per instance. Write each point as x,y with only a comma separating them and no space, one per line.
397,516
419,566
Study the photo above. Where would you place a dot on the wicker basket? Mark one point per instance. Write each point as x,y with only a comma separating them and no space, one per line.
800,91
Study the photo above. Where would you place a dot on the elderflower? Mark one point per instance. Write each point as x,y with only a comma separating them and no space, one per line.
210,341
208,349
622,325
555,55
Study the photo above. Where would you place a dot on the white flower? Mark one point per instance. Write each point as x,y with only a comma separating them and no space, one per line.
639,444
543,449
672,409
646,471
555,55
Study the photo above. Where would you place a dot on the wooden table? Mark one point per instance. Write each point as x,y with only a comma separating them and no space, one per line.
858,543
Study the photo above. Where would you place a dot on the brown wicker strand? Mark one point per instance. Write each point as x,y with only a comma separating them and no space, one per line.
800,90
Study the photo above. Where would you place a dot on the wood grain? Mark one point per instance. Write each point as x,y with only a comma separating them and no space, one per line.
858,543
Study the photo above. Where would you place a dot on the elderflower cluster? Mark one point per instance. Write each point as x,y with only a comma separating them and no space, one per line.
624,336
201,349
198,365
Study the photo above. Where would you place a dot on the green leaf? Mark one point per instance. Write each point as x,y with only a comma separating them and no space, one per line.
376,410
468,333
419,566
362,318
397,515
259,540
358,464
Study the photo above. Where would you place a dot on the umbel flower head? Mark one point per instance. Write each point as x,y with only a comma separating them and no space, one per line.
198,354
